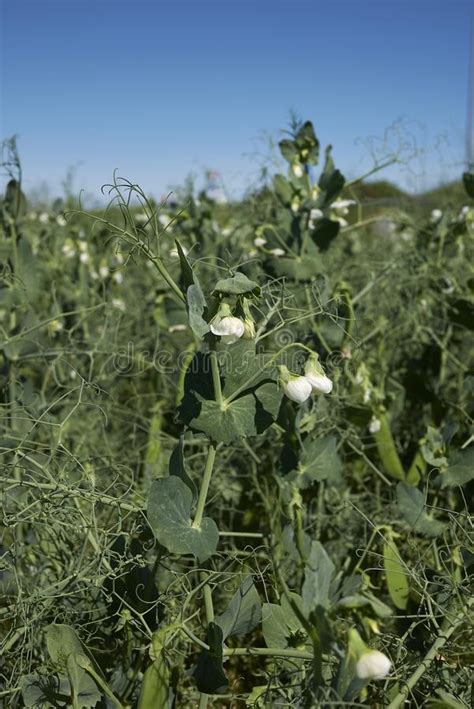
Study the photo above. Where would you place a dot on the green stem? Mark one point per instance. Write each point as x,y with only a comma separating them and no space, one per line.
87,666
206,479
216,378
442,638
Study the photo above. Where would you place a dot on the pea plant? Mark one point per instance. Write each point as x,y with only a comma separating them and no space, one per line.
236,447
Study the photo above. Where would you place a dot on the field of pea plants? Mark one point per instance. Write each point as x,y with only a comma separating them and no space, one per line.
236,446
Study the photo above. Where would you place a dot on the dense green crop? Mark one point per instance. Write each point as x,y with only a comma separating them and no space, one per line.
236,448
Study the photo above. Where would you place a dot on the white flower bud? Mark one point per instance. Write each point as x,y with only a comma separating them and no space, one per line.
277,252
295,204
259,241
60,221
228,327
373,665
375,425
436,215
297,170
314,373
43,218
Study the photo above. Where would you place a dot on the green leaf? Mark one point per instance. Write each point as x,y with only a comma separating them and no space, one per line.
169,516
460,469
319,571
45,691
236,421
65,649
15,200
307,144
412,508
196,303
468,181
209,672
282,189
432,448
319,461
395,575
176,466
187,272
244,611
239,284
280,626
289,150
324,232
241,369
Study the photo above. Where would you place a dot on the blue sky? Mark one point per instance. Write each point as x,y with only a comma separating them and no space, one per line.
167,88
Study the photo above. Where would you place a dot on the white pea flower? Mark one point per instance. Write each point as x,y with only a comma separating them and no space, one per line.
373,665
227,326
118,303
374,425
277,252
118,277
60,221
297,170
367,395
84,257
295,204
43,218
141,217
68,250
259,241
103,271
252,253
436,215
464,212
314,373
179,327
296,388
341,206
315,214
83,246
227,231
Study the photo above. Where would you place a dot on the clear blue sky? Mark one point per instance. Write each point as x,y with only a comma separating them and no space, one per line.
161,89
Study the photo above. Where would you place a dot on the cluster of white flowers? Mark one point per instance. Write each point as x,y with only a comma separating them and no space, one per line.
299,388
